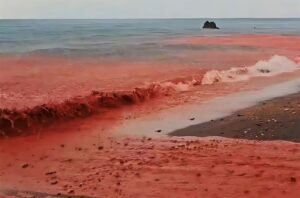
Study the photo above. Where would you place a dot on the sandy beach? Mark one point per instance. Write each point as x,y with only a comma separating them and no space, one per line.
102,165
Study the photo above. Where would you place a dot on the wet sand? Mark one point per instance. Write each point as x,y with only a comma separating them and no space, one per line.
100,164
276,119
155,168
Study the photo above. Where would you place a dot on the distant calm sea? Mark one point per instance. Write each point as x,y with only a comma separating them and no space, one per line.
123,38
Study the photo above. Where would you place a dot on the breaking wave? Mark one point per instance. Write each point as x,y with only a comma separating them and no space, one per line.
15,122
274,66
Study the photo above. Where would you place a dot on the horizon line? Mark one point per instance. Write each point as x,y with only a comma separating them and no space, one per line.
149,18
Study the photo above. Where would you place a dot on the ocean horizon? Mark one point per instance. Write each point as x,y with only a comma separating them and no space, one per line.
109,37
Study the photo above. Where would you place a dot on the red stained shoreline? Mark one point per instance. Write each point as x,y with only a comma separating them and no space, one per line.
40,90
87,157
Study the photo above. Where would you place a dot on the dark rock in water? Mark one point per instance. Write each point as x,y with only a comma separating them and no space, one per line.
210,25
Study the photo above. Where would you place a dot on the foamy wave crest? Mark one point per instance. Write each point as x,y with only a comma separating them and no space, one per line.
179,86
16,121
274,66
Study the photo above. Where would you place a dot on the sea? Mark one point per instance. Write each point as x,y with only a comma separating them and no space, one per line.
128,38
73,68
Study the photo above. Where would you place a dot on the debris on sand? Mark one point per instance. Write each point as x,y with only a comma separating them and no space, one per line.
50,173
293,179
25,165
71,191
54,182
100,147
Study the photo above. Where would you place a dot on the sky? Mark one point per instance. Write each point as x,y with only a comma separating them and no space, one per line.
22,9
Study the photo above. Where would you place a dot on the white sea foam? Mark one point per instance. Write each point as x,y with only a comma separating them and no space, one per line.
274,66
266,68
180,86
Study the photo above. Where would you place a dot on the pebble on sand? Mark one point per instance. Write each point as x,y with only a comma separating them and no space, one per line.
100,147
54,182
50,173
293,179
71,191
25,165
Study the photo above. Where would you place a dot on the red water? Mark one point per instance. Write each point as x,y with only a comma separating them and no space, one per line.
137,167
43,89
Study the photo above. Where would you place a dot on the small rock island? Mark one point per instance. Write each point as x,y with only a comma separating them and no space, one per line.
210,25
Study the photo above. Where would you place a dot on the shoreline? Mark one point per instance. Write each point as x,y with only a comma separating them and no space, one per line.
148,82
97,163
273,119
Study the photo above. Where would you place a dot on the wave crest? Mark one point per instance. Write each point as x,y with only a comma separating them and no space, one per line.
274,66
14,121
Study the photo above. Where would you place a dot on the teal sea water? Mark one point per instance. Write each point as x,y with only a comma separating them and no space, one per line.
140,38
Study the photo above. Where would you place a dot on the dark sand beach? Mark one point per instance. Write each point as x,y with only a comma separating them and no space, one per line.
276,119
